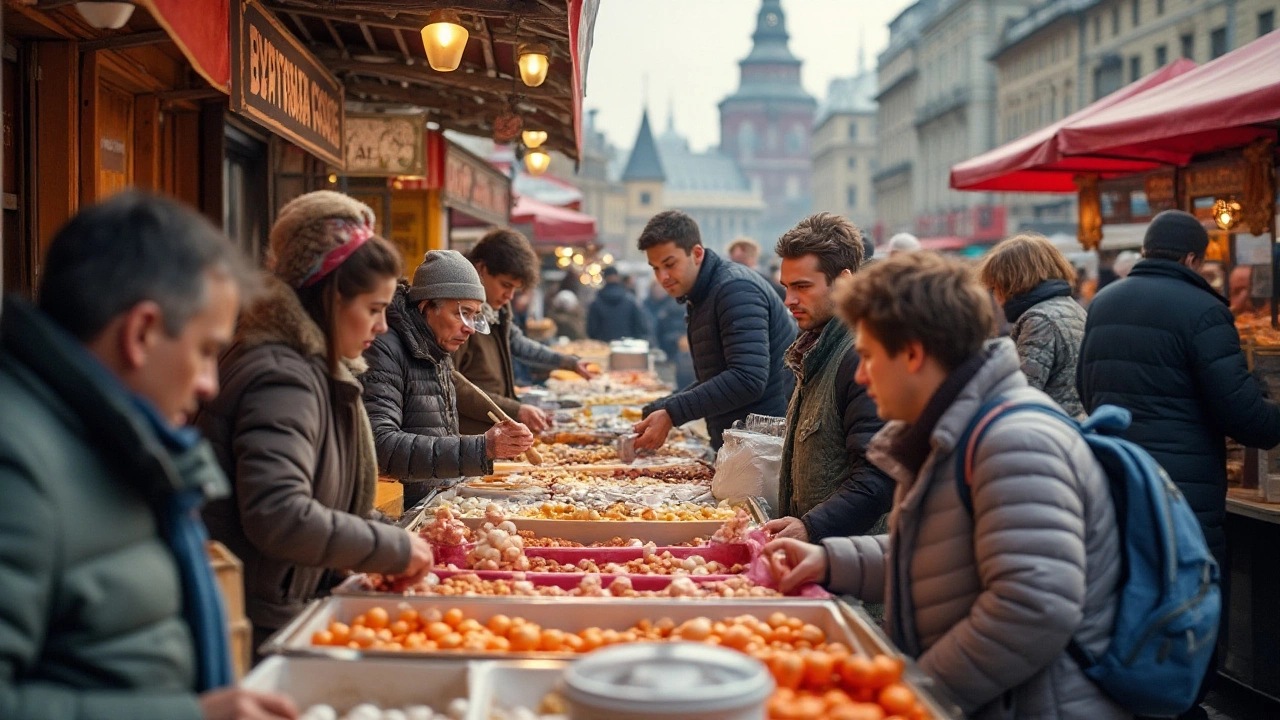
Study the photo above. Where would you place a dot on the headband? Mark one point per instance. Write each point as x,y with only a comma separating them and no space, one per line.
357,235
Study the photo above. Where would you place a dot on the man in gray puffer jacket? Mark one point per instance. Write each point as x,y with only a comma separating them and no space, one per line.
986,602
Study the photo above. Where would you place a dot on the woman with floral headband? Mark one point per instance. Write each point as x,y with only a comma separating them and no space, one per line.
289,426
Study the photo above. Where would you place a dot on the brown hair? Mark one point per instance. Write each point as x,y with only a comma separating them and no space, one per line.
920,297
670,226
1017,265
507,252
370,264
835,241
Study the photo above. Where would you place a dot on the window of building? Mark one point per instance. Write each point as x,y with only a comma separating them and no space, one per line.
1108,77
851,196
1135,68
1266,22
1162,55
853,163
1218,43
645,198
1188,46
853,129
1159,7
1115,20
1097,29
795,140
1134,12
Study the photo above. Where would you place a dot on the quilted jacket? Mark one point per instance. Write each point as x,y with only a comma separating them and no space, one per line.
987,603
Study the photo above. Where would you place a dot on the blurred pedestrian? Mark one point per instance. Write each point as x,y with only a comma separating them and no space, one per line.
1031,280
109,607
902,243
569,316
615,314
290,429
985,595
746,251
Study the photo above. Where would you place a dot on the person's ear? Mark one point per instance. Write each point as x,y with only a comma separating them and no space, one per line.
915,356
139,332
698,253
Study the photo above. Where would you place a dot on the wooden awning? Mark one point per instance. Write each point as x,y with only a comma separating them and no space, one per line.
375,48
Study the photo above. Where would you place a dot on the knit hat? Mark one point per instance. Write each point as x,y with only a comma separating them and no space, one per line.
315,233
1176,231
445,275
903,243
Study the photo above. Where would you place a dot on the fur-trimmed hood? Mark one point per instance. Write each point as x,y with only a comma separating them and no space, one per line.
277,317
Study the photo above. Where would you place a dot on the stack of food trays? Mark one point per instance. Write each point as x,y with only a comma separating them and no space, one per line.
501,654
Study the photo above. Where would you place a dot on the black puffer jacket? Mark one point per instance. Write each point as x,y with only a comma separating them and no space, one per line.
614,315
739,332
1163,344
412,405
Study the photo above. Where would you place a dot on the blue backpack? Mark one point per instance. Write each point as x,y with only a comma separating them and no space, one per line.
1167,617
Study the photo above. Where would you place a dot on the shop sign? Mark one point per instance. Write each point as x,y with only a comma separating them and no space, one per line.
1159,190
386,145
475,187
279,84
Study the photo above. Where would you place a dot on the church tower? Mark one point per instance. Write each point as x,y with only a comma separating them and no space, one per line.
643,178
765,126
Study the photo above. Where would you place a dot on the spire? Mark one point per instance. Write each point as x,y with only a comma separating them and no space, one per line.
769,41
644,163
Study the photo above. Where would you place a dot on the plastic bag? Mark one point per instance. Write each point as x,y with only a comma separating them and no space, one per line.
747,466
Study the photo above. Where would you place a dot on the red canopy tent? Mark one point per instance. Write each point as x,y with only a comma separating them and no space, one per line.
553,225
1034,162
1226,103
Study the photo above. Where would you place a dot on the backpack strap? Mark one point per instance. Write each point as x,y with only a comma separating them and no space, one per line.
982,421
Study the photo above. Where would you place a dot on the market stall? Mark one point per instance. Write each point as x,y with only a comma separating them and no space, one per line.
584,546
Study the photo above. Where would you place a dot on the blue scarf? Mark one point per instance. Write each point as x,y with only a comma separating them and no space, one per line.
188,539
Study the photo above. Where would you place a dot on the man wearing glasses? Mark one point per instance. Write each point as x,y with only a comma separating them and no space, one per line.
408,388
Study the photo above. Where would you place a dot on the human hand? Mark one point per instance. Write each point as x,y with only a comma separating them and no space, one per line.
583,368
507,440
533,418
234,703
795,563
787,527
421,560
653,430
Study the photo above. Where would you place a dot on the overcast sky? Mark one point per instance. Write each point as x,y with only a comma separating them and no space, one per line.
689,51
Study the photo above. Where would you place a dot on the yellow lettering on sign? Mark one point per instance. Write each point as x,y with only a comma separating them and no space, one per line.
255,53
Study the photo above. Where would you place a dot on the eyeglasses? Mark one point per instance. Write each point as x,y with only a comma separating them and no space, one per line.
473,319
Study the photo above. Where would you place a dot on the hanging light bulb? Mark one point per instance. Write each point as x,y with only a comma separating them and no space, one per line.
537,162
1226,213
105,15
533,138
333,179
585,279
533,63
444,38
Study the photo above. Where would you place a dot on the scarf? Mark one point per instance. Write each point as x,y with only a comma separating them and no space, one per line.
1015,306
794,357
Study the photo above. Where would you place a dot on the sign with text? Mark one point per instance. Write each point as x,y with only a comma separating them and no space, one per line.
279,84
387,145
475,187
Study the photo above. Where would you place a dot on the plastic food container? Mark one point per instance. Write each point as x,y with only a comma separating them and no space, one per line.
691,681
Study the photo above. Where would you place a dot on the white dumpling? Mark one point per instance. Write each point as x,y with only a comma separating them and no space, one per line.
366,711
458,709
320,712
419,712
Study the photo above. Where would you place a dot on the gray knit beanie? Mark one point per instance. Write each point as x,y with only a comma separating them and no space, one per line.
445,275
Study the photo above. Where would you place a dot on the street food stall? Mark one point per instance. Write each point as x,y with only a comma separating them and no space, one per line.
1202,140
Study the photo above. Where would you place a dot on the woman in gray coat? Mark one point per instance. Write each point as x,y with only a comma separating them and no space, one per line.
289,427
1032,280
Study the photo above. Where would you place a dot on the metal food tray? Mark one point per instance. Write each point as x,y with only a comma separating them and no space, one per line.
568,614
515,683
385,682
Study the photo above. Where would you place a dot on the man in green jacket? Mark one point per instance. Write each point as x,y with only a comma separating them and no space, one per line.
826,485
108,606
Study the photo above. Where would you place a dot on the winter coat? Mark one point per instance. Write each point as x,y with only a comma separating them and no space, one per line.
1048,335
987,603
412,404
666,317
570,324
1164,346
485,360
738,333
91,616
615,315
294,438
825,478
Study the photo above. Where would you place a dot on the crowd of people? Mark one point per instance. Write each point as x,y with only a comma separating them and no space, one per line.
159,393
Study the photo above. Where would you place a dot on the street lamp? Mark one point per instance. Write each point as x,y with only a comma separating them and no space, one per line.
533,63
444,38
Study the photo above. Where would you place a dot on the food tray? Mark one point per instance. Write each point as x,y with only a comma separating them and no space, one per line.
386,682
510,684
568,614
356,585
724,553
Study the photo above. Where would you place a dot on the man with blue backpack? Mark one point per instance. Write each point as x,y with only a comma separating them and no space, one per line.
1006,573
